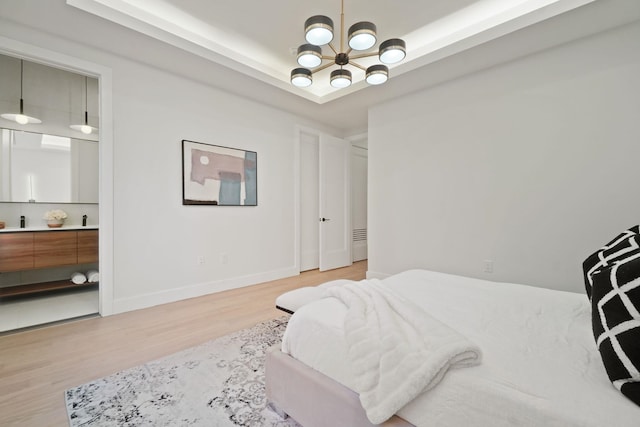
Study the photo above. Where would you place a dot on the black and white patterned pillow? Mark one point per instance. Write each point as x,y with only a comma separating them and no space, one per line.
620,246
615,303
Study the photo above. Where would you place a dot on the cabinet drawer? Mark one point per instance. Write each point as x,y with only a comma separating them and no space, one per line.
16,251
87,246
55,248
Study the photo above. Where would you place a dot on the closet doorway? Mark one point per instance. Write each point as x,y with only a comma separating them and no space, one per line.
327,202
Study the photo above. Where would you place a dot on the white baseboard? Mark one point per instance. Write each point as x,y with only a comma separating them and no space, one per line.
172,295
376,275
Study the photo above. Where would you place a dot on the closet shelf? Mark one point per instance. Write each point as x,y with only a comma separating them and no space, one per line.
41,287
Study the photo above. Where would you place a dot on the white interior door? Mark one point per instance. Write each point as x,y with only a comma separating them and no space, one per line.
335,202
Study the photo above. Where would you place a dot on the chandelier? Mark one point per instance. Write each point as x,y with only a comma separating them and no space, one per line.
362,37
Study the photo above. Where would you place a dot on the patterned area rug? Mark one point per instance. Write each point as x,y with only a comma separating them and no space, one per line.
219,383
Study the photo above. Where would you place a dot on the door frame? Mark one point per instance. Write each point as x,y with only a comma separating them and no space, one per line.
297,141
73,64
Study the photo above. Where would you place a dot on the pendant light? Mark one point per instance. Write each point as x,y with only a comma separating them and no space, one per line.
377,74
362,36
85,128
20,117
340,78
318,30
301,77
392,51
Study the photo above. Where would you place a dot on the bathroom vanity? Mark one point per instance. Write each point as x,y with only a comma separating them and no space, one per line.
40,248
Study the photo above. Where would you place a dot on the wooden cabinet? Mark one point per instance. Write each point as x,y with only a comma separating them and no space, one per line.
53,249
87,246
28,250
16,251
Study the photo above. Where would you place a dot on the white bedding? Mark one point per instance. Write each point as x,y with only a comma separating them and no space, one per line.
396,350
540,365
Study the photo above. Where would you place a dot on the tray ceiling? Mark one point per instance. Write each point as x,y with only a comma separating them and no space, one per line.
259,38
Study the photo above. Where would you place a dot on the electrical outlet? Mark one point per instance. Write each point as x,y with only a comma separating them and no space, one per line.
224,258
200,260
488,266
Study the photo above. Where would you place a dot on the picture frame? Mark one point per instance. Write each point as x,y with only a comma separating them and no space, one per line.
218,176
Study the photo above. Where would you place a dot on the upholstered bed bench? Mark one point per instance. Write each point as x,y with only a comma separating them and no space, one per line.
291,301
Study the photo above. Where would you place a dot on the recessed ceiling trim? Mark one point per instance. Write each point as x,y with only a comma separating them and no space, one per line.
439,44
491,21
479,23
124,13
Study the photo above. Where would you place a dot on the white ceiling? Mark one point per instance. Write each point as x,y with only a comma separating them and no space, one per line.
217,42
259,38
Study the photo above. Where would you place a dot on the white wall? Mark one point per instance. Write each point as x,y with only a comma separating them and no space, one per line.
532,164
156,240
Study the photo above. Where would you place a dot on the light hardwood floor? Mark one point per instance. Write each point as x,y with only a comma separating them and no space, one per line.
37,366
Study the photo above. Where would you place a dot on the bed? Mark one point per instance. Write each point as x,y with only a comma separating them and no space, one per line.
539,363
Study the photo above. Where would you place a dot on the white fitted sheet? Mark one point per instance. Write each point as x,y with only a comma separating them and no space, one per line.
540,365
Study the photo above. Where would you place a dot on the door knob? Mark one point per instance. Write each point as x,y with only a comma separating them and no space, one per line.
325,219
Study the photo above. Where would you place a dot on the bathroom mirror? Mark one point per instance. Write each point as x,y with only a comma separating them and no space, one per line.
41,168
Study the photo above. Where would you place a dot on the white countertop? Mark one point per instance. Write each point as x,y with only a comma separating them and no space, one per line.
46,228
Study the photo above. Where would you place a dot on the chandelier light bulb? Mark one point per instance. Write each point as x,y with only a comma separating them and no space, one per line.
318,30
309,56
340,78
301,77
22,119
362,36
377,74
392,51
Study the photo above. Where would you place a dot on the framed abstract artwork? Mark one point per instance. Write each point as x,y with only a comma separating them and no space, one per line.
220,176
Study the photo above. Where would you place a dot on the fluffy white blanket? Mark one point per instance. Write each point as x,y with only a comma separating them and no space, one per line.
396,350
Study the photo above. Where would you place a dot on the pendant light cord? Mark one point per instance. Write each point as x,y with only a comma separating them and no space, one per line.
86,102
21,84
